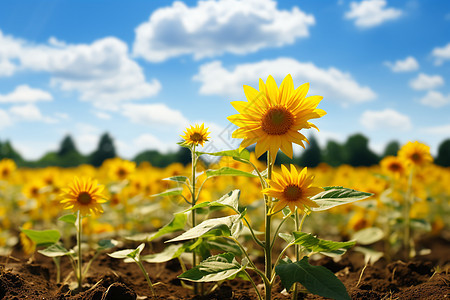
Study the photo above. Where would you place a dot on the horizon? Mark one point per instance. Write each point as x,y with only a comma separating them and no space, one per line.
145,70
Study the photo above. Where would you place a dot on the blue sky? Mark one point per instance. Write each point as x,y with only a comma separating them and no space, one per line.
144,70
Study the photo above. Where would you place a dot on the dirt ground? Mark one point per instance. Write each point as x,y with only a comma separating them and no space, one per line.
34,278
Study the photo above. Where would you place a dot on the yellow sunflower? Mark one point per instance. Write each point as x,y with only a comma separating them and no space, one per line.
272,117
292,189
196,135
120,169
393,165
415,154
7,166
84,195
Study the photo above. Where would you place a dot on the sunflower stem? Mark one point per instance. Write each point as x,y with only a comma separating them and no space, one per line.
194,200
297,253
79,272
408,197
268,240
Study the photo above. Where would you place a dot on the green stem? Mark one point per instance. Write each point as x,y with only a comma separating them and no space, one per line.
57,261
149,282
278,229
86,268
258,241
79,272
407,217
194,201
278,260
268,240
297,253
254,285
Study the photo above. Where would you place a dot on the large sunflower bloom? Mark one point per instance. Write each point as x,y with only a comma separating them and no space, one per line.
196,135
84,195
272,117
292,189
416,154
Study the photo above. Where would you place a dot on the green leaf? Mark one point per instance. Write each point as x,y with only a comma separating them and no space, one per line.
223,245
370,256
170,192
227,171
215,268
421,224
128,253
368,236
171,252
286,236
230,200
242,156
179,179
335,196
42,237
316,279
177,224
226,226
70,219
55,250
315,245
106,244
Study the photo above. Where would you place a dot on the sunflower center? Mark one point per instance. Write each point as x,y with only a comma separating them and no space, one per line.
121,173
5,172
292,193
394,167
84,198
277,121
415,157
196,137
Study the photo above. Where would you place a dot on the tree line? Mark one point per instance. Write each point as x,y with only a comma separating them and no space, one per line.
354,151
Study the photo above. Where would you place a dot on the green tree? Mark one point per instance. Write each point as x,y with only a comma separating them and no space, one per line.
312,156
67,146
391,149
7,151
443,157
334,154
105,150
357,152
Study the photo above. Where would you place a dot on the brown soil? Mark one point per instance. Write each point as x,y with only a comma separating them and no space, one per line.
108,278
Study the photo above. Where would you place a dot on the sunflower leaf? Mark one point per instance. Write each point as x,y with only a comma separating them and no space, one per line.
230,200
170,192
55,250
239,155
42,237
335,196
70,219
178,222
227,171
316,245
171,252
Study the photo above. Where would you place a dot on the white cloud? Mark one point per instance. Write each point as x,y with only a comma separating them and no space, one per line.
5,120
101,72
154,114
86,137
29,113
426,82
435,99
406,65
441,54
385,119
25,94
371,13
102,115
443,130
215,27
330,83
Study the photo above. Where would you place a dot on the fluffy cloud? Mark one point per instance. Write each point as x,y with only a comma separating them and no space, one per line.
441,54
435,99
371,13
25,94
102,72
385,119
5,120
29,113
331,83
216,27
426,82
443,130
154,114
406,65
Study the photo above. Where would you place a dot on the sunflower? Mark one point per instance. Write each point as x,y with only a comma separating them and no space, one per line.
84,195
415,154
393,165
272,117
292,189
196,135
7,166
120,169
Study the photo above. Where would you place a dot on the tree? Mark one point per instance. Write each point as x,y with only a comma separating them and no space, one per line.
312,156
334,154
67,146
391,149
443,157
104,151
357,152
7,151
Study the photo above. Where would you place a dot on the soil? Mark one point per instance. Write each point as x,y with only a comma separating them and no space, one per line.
34,278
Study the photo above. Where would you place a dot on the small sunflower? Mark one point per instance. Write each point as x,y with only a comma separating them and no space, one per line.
84,195
196,135
416,154
393,165
120,169
292,189
272,117
7,166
